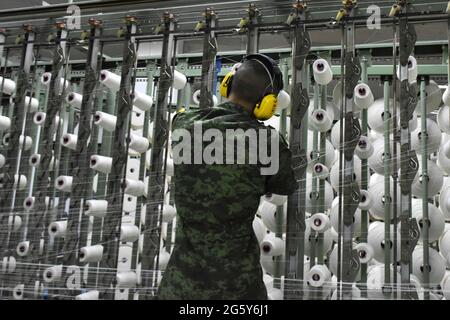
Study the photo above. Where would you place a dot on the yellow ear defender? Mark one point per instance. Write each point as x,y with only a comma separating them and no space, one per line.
264,109
225,86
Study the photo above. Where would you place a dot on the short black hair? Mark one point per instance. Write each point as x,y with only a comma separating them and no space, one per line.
251,82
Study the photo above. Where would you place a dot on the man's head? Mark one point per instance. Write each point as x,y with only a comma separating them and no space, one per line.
255,78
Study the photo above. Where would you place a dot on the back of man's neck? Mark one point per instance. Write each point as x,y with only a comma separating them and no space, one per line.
245,105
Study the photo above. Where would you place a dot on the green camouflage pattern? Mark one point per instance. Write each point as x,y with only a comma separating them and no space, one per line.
216,254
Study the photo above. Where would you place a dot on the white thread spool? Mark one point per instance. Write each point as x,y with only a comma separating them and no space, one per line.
320,171
28,141
126,280
335,133
31,104
96,208
335,171
337,98
375,115
445,96
268,212
20,183
365,200
110,80
5,123
18,292
355,294
318,275
320,121
101,164
169,213
134,188
90,295
8,264
364,149
376,160
105,120
435,180
69,140
143,101
412,70
332,111
443,118
58,228
150,136
376,282
39,118
310,194
433,138
320,222
363,97
444,202
330,155
179,80
376,178
28,203
444,245
129,233
47,77
35,160
91,254
17,220
443,159
283,101
268,263
196,97
259,229
2,161
333,259
9,86
433,97
164,258
52,274
138,143
74,99
170,169
272,245
445,284
275,199
377,241
322,72
334,219
23,248
376,190
137,119
435,217
64,183
365,252
374,136
436,265
327,239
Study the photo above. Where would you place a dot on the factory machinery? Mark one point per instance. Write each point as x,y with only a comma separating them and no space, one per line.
86,209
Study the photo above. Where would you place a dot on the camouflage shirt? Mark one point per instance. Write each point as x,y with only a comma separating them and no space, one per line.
216,254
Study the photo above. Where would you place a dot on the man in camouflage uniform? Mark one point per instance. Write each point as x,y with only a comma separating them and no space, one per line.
216,254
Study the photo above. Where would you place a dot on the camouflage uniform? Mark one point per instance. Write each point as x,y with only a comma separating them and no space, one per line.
216,253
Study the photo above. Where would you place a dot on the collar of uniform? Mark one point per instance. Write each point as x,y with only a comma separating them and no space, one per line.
235,108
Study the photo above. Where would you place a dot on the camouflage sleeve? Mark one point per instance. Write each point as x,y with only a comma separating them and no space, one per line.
283,182
176,117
